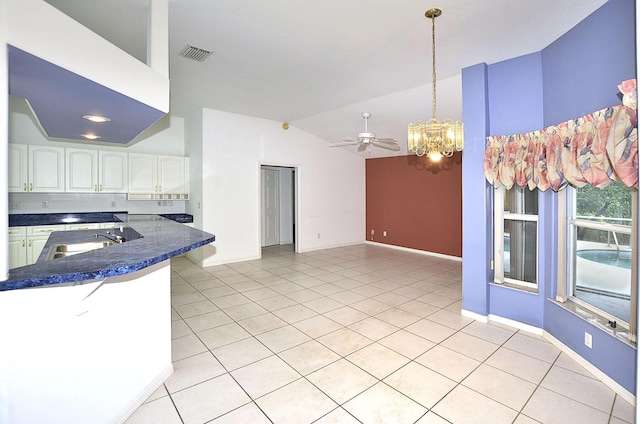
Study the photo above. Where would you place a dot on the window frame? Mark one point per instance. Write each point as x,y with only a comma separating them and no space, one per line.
498,256
566,271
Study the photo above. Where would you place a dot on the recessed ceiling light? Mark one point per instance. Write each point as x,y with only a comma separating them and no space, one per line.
96,118
91,136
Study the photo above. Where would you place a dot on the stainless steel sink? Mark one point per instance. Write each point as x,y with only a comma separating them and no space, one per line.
63,250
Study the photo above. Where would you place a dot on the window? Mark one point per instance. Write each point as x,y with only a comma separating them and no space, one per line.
597,245
516,237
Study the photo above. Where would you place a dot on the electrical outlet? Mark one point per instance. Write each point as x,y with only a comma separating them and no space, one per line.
384,234
372,232
45,203
588,340
113,203
318,235
14,205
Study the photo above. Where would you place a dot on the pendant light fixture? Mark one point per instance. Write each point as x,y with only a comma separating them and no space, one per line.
435,138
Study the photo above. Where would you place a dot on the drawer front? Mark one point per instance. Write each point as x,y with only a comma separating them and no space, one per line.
17,231
42,230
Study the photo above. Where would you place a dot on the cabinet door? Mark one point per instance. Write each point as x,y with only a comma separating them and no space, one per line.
171,174
81,171
17,250
18,161
46,169
35,244
143,173
113,172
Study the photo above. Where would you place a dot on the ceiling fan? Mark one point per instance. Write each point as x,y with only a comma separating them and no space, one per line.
367,139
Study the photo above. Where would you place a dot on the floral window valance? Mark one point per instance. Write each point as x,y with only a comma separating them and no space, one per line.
594,149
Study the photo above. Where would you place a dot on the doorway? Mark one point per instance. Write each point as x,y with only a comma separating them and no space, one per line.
278,205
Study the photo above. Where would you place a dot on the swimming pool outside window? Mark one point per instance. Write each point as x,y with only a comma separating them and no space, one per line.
598,245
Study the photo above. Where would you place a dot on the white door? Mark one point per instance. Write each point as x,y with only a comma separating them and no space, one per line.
270,207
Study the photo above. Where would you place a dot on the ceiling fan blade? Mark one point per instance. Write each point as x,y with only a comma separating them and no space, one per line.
386,140
346,143
349,139
362,148
386,146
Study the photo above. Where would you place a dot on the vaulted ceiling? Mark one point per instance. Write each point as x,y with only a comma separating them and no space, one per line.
318,65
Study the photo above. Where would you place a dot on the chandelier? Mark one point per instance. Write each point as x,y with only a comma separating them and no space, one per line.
435,138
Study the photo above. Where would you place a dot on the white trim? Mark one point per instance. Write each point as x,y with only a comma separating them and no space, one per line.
136,402
516,324
520,217
608,381
473,315
408,249
333,246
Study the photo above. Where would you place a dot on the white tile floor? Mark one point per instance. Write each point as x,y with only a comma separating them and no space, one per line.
357,334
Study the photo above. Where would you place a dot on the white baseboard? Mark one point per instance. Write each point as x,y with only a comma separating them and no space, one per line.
473,315
408,249
144,395
608,381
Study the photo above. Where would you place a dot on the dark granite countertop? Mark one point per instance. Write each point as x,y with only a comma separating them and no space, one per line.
22,220
182,218
161,239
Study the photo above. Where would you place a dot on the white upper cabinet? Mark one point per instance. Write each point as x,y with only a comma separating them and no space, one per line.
171,174
113,172
93,171
143,173
46,169
35,169
82,171
18,176
153,174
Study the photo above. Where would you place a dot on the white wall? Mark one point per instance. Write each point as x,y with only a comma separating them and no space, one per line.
4,135
331,186
165,137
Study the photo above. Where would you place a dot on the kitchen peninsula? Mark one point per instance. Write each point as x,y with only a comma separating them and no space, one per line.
87,337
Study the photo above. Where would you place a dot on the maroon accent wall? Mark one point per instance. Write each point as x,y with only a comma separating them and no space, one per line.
417,202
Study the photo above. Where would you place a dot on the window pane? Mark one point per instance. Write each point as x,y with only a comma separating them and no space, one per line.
521,201
602,257
520,250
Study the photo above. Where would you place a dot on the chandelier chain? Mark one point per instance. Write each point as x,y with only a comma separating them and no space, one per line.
433,54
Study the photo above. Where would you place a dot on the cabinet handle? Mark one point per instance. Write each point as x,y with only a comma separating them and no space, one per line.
30,242
30,186
25,187
23,243
95,187
100,187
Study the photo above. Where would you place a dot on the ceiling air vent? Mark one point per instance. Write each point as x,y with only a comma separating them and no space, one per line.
195,53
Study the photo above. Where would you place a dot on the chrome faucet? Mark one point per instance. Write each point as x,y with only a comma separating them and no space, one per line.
114,237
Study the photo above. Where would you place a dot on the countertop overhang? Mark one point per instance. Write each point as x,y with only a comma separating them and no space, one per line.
161,239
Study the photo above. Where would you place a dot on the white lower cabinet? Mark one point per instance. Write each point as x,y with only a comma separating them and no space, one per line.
17,247
26,243
36,239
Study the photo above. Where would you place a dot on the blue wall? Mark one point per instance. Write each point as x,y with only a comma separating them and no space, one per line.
575,75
